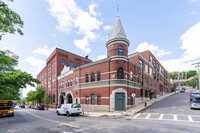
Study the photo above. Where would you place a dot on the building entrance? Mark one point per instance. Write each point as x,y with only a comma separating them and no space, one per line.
119,101
69,98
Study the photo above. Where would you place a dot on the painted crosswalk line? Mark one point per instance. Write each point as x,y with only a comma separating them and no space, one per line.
167,117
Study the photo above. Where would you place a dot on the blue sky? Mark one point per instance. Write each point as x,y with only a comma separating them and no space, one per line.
169,28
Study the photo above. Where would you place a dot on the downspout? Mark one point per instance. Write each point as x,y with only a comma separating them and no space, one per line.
109,84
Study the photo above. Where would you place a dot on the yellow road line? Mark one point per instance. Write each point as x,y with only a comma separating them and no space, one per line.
52,120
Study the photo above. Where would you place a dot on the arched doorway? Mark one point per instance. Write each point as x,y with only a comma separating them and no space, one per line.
61,100
69,98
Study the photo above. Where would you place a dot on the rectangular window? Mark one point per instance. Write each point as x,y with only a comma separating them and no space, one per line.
150,71
87,100
141,92
77,65
146,68
141,65
146,93
99,100
63,61
71,64
150,60
93,99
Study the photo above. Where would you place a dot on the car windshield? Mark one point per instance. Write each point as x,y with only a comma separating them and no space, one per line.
196,101
76,105
6,104
195,93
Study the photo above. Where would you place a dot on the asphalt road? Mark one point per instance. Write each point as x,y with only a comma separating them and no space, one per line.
178,103
34,121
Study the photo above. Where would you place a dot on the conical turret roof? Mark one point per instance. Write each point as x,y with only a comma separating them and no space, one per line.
117,31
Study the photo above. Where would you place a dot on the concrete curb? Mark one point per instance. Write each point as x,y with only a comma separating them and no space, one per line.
109,116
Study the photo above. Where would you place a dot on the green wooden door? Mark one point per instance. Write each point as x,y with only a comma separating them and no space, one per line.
119,101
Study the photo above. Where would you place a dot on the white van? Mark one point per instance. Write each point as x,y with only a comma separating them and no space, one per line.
69,109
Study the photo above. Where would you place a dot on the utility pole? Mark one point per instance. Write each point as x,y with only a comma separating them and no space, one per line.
197,67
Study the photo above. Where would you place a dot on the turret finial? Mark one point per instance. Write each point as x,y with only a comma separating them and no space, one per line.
117,10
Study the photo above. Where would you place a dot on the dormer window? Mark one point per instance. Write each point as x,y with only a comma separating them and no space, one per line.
120,50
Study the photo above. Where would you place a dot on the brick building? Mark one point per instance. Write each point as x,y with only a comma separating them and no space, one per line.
117,82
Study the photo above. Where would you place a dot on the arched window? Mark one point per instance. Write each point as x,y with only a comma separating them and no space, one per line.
131,76
98,76
120,50
86,78
120,73
98,100
92,77
71,82
53,98
68,83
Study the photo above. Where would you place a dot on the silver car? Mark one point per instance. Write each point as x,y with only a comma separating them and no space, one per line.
195,104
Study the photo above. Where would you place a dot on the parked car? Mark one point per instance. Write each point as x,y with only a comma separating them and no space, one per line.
40,107
195,104
182,90
36,106
193,95
69,109
22,106
193,92
32,106
29,106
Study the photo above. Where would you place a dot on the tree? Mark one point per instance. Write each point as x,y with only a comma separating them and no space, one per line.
40,92
10,21
191,73
11,79
46,100
192,82
31,96
23,102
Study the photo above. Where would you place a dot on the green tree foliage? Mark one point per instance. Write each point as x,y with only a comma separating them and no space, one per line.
40,94
173,75
10,21
46,99
37,95
11,79
192,82
23,102
191,73
31,96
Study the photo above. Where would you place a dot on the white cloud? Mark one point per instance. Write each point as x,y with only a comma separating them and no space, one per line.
193,13
8,48
191,43
153,48
44,51
92,7
102,57
177,65
69,15
107,27
37,64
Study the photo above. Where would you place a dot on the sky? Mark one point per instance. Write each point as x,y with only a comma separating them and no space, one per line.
170,29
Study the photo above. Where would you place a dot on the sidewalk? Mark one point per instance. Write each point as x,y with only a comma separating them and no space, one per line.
132,111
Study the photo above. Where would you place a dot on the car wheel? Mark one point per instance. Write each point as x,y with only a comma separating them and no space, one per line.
67,113
58,113
13,114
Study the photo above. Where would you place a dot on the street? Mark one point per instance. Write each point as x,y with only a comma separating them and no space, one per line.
167,116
